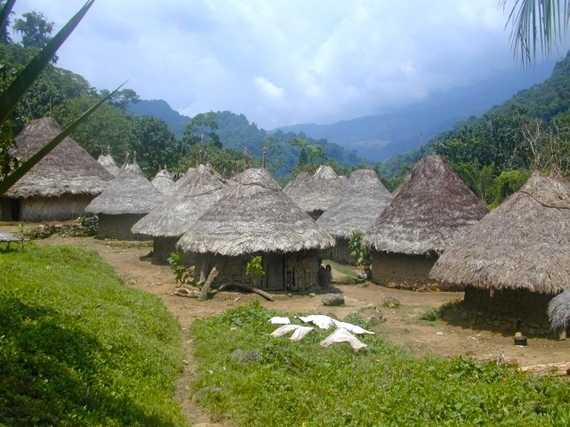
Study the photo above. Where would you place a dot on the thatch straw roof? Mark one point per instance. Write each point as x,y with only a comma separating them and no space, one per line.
361,201
559,311
431,209
164,183
522,244
106,160
318,192
256,216
199,189
67,169
129,193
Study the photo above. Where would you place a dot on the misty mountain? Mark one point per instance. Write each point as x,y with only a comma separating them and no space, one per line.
383,136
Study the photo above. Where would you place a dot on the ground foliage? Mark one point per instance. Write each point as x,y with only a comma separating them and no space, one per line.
79,348
257,380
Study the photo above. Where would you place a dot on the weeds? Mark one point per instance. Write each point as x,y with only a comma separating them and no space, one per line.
181,273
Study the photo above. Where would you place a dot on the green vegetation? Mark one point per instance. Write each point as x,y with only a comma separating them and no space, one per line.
358,249
257,380
254,269
179,270
79,348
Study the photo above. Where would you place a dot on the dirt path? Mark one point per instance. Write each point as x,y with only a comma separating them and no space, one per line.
402,326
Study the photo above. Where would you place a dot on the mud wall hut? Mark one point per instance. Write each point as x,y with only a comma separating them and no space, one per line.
257,218
60,186
361,201
515,259
430,210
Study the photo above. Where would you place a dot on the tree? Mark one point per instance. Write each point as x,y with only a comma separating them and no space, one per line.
202,128
535,26
35,29
122,98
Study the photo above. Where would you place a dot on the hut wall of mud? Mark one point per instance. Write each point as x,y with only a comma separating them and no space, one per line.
339,253
292,272
118,227
509,310
162,248
402,271
37,209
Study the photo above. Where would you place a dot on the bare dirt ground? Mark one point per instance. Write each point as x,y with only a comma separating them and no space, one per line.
402,327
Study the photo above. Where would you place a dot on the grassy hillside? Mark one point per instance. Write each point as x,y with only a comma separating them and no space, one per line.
79,348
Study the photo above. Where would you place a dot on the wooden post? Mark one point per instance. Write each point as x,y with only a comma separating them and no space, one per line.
213,274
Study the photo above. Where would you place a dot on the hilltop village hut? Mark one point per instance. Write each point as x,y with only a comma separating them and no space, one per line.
106,160
315,194
431,209
516,259
59,186
128,198
361,201
197,191
164,183
257,219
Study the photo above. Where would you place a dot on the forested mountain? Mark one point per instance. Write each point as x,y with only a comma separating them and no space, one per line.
496,152
383,136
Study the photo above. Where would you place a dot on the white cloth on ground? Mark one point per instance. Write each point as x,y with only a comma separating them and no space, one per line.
342,335
325,322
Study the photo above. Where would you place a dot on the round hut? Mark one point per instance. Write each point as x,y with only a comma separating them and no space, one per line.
431,209
197,191
316,194
516,258
128,198
106,160
257,219
59,186
164,183
361,201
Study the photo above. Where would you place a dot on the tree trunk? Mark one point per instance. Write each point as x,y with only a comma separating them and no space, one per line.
213,274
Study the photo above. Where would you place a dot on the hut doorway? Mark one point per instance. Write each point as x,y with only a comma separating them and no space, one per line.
274,267
15,205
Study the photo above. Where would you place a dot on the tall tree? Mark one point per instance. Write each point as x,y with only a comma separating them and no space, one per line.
536,25
35,29
202,128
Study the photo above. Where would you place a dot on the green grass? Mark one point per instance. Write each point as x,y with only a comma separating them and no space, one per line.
79,348
284,383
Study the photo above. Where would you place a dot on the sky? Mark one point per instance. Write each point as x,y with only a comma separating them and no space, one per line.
284,62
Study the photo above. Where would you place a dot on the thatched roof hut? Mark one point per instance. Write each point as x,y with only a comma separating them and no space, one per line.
197,191
518,252
164,183
432,208
361,201
60,185
559,312
315,194
106,160
256,217
126,200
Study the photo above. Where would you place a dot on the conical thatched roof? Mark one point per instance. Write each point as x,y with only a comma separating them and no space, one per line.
524,243
67,169
431,209
129,193
199,190
362,199
106,160
164,182
559,311
318,192
256,216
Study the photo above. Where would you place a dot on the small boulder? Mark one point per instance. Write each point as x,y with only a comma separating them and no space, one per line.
332,299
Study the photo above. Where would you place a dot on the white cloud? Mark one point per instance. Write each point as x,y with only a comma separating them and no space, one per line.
284,61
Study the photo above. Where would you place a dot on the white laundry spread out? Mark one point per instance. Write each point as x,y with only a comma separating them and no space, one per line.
299,332
342,335
280,320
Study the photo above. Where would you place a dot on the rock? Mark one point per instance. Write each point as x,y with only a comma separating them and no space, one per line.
372,315
362,275
391,302
332,299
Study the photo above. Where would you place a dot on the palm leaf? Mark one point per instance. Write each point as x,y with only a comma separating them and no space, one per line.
10,97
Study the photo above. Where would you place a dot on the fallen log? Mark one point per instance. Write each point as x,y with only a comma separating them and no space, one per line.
248,288
557,369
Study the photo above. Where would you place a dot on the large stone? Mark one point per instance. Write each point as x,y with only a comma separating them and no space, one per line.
332,299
